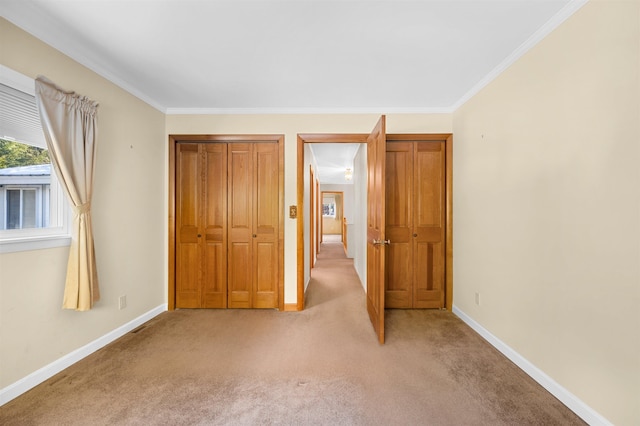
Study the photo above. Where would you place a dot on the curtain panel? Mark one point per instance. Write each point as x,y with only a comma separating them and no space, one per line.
69,122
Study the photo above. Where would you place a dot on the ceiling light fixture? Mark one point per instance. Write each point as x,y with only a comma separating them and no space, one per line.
348,174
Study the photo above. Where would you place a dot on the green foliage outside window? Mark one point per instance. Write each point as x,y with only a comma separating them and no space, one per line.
15,154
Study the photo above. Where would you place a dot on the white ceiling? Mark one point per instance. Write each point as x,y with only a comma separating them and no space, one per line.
332,160
294,56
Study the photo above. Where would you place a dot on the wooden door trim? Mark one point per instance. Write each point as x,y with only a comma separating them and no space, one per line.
222,138
312,138
362,138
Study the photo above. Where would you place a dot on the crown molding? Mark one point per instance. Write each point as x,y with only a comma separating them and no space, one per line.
305,110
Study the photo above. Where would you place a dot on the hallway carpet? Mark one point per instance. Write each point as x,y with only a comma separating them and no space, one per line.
321,366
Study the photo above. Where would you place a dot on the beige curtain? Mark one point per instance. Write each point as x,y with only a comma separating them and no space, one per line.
69,123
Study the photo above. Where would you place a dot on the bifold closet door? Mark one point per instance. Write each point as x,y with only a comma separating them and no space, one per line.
429,224
253,225
415,225
399,225
201,215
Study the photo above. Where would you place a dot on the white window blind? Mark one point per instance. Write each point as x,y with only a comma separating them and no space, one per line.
19,118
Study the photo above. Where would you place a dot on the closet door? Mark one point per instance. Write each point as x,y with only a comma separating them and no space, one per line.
265,226
399,228
214,216
253,225
188,226
240,229
415,224
429,225
201,199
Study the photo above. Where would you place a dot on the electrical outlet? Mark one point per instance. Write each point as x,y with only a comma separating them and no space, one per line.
477,298
122,302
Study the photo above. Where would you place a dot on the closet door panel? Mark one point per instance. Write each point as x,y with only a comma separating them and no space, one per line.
240,275
398,214
240,235
266,276
265,225
429,226
188,215
215,226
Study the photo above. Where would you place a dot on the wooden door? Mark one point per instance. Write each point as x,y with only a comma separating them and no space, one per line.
415,224
265,226
399,225
214,216
376,227
240,229
253,225
429,225
188,226
201,280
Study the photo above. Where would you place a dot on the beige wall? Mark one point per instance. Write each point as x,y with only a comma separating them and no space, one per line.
546,196
291,125
129,216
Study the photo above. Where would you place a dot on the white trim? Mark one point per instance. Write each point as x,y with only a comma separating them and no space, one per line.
536,38
303,110
35,243
576,405
32,380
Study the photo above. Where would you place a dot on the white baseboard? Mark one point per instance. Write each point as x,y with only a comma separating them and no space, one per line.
576,405
34,379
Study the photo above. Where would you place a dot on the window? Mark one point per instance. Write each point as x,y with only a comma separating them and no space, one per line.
329,207
21,209
33,209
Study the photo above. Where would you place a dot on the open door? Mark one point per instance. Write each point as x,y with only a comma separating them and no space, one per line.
376,243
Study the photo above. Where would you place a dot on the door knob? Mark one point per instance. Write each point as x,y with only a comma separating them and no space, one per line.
199,235
254,235
415,235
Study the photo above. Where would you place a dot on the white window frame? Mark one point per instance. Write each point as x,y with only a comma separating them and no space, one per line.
14,240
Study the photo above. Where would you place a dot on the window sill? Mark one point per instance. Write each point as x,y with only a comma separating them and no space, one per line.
34,243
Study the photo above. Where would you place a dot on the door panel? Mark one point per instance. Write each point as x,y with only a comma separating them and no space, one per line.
240,274
266,276
376,155
240,190
399,255
188,292
429,178
188,249
215,226
265,225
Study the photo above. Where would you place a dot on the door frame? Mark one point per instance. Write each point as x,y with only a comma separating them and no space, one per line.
203,138
304,138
